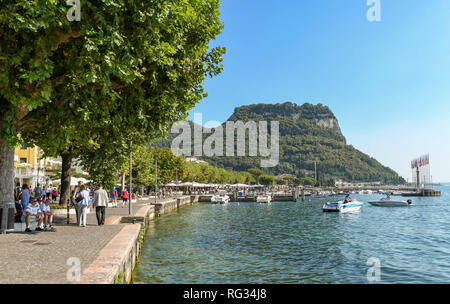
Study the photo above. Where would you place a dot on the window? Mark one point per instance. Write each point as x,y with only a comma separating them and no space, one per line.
24,146
23,160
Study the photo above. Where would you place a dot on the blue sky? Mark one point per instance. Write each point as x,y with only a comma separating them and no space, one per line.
387,82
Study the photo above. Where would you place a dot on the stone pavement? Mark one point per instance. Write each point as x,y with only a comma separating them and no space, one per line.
42,257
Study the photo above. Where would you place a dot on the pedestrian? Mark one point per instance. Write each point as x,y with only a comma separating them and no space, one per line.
25,196
54,194
100,201
48,192
124,197
114,197
17,191
38,192
73,199
82,203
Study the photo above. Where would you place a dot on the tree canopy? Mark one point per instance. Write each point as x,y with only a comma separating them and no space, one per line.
124,72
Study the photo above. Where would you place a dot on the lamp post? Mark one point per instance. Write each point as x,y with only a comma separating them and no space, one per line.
176,183
156,177
131,174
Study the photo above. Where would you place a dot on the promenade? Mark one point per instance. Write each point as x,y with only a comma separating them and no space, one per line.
42,257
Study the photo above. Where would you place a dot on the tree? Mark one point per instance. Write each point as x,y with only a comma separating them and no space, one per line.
123,73
256,174
266,180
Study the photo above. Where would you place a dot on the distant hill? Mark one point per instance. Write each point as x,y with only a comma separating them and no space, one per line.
308,133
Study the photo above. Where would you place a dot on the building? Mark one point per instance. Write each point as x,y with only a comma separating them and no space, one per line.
30,167
194,160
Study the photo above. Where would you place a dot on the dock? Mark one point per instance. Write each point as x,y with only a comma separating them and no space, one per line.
291,196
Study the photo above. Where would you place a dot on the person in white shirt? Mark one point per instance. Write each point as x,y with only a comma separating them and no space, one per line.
33,209
48,216
82,204
100,201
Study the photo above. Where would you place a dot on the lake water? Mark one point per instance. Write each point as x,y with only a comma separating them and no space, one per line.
288,242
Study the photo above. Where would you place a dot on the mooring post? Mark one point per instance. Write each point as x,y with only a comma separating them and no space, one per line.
68,212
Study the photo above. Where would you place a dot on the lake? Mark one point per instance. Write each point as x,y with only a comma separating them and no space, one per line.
287,242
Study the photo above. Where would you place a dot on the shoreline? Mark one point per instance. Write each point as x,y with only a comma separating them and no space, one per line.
117,262
95,254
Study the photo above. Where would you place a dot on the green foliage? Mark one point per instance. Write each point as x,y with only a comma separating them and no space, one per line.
124,73
267,180
306,181
308,133
169,165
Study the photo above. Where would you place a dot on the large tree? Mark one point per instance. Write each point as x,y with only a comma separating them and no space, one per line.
123,73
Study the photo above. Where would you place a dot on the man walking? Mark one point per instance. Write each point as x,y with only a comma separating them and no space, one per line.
38,192
100,201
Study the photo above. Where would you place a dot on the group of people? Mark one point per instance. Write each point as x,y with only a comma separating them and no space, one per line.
36,205
81,200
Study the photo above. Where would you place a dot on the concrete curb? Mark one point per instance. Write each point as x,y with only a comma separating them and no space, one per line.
116,262
119,256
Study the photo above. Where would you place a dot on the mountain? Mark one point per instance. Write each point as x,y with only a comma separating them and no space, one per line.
308,133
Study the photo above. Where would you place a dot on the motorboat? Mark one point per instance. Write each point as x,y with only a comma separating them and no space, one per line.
343,206
389,202
220,198
264,198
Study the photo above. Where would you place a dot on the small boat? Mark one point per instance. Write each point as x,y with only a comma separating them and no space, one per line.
340,206
220,198
388,202
397,193
264,199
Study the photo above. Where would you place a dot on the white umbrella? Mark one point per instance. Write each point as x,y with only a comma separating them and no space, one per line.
239,185
73,181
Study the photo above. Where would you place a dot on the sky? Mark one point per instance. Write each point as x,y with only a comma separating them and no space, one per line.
387,82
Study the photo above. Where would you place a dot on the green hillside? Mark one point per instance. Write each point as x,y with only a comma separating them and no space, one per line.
308,133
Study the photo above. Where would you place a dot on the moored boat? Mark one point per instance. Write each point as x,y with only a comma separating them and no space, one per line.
221,198
264,199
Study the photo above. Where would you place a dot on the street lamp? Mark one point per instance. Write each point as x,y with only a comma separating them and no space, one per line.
176,183
131,174
156,176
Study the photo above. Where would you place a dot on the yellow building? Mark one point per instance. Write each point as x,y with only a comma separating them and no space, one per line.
25,156
29,166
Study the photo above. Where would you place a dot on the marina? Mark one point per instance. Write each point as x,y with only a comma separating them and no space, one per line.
287,242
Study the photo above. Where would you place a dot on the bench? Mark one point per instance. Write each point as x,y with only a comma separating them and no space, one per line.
20,227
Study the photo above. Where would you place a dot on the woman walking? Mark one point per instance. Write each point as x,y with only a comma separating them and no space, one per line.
124,197
75,194
54,194
82,204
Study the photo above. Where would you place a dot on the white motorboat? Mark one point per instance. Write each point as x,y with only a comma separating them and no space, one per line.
220,198
388,202
264,198
342,206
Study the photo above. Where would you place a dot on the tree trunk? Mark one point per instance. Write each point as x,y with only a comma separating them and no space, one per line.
6,182
65,178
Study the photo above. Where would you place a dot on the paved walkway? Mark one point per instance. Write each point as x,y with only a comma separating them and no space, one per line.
42,257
